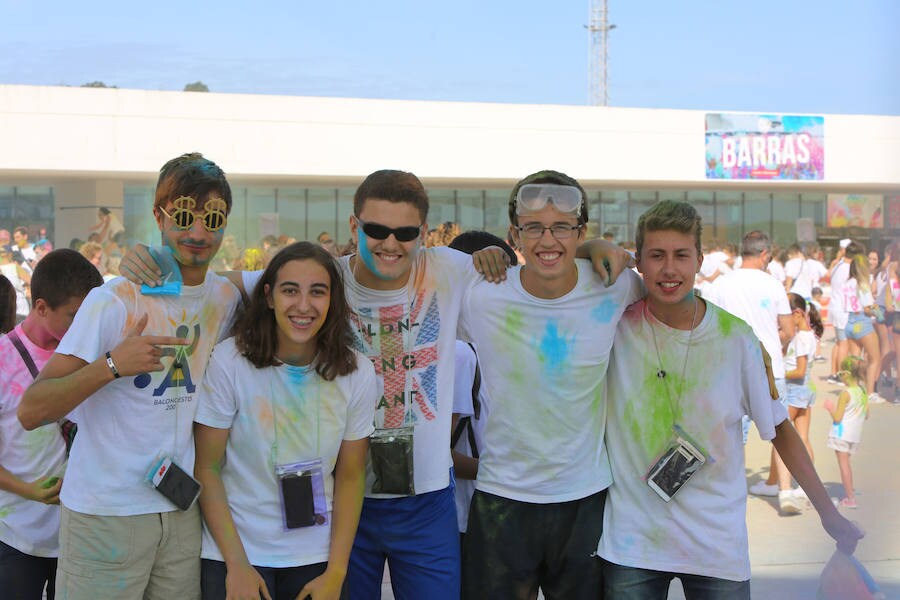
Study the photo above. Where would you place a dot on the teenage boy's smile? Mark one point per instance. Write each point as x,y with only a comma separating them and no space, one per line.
384,261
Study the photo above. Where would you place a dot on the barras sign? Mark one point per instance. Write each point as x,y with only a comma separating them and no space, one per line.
740,146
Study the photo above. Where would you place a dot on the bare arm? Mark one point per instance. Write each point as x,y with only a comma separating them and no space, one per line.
800,371
44,490
242,580
67,381
138,267
785,329
791,449
349,487
609,260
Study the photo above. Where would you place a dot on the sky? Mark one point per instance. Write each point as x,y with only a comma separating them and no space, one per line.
774,56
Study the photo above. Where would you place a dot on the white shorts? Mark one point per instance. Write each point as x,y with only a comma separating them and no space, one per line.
842,445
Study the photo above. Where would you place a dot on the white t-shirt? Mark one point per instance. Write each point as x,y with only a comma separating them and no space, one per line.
803,344
312,416
806,274
776,270
10,271
856,299
30,527
836,310
758,298
851,425
543,365
409,335
126,424
702,530
463,405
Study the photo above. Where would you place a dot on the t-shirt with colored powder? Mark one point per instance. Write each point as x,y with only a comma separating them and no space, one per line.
803,344
856,297
126,424
757,298
806,274
28,526
850,426
463,405
409,335
543,363
707,517
312,417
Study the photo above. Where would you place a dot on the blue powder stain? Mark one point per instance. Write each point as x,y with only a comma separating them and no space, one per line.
765,302
554,349
296,374
366,255
604,312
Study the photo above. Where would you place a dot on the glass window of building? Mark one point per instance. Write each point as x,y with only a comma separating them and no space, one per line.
728,217
441,207
785,212
639,202
757,212
321,212
496,212
470,205
704,202
614,215
292,212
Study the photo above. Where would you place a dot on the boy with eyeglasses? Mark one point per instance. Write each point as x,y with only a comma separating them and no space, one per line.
544,336
126,372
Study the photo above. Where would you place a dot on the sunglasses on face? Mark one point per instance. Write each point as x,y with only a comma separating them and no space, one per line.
381,232
214,219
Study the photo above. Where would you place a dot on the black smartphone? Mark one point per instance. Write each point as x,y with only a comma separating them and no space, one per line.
299,506
172,482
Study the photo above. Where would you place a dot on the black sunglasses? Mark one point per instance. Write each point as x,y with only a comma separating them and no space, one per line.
380,232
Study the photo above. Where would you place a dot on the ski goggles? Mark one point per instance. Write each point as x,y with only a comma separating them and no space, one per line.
214,219
532,197
382,232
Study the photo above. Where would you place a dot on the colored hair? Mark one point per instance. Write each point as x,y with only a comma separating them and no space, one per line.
7,305
256,332
856,366
859,270
755,243
393,186
62,275
473,241
194,176
670,215
89,249
798,302
548,176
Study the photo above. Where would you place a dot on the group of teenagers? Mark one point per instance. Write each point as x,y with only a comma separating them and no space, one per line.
284,433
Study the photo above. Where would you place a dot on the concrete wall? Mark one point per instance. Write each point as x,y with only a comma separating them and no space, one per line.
88,133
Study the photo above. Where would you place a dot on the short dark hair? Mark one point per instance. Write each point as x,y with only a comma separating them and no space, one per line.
22,230
256,333
755,243
62,275
7,305
473,241
191,175
670,215
548,176
393,186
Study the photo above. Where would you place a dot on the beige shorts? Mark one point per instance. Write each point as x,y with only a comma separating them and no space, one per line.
842,445
154,556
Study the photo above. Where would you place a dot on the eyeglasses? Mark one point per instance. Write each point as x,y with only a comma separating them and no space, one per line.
532,197
214,219
560,231
381,232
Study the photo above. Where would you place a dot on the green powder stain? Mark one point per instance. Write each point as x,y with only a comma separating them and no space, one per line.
5,512
727,322
514,320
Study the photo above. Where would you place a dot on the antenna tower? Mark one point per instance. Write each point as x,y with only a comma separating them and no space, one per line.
599,29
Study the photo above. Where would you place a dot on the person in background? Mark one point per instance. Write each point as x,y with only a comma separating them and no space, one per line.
326,241
107,225
7,305
32,462
798,361
20,238
860,305
848,416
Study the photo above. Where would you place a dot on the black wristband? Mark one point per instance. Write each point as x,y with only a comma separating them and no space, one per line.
112,365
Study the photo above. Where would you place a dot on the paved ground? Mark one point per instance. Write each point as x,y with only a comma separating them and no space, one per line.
788,553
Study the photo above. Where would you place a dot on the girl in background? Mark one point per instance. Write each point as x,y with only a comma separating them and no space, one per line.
798,362
848,415
860,305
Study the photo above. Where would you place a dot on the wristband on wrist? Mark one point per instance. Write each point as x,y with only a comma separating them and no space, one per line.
112,365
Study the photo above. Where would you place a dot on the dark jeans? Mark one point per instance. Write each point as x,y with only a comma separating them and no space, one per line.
629,583
24,577
513,547
283,583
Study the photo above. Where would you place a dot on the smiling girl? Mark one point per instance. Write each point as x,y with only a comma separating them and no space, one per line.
281,435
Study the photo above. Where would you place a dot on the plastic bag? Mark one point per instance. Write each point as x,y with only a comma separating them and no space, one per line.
844,578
